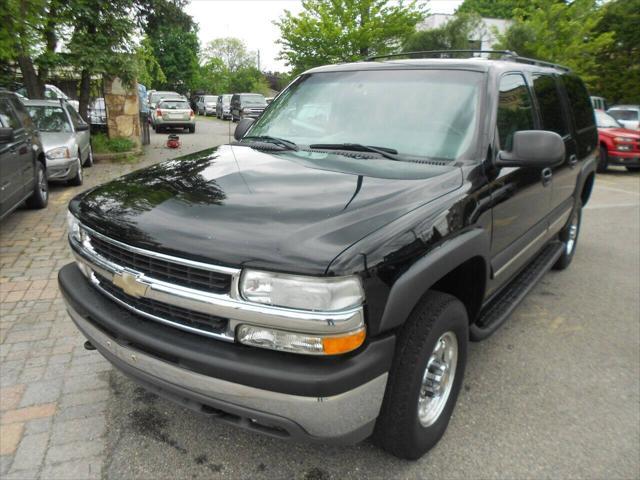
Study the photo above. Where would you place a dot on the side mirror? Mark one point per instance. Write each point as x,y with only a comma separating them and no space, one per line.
533,148
242,128
6,135
82,127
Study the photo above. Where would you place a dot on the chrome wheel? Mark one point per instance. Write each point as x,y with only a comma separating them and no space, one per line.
572,235
43,185
437,380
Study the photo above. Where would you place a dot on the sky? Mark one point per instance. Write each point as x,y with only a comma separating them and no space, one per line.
252,21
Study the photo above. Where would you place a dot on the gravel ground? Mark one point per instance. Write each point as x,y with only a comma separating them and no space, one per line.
555,393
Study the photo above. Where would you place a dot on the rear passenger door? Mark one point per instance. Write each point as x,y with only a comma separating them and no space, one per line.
16,167
82,133
553,117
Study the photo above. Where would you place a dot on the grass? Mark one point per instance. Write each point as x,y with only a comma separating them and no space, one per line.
101,143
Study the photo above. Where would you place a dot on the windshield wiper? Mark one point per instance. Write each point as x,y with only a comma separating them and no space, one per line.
386,152
276,140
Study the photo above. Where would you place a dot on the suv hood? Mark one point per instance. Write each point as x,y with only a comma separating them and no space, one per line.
236,206
620,132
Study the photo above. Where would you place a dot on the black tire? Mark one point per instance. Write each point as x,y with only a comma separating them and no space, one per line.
77,180
159,129
633,169
88,163
40,196
192,129
570,233
399,430
603,162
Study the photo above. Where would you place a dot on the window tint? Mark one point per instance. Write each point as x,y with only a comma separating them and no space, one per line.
514,109
579,101
546,91
8,116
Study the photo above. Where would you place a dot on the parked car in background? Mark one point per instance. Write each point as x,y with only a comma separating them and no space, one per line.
65,138
598,103
51,92
156,96
618,145
627,115
98,115
174,113
206,105
223,106
322,282
247,105
23,167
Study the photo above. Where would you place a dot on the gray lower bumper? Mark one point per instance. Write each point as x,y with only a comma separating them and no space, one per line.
345,418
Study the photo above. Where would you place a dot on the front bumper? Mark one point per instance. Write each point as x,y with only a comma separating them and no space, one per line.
630,158
62,169
333,400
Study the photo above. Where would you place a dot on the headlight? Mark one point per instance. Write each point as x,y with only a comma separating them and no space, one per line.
300,342
306,293
58,153
73,227
622,139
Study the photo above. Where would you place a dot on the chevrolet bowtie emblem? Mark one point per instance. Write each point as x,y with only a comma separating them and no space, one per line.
130,284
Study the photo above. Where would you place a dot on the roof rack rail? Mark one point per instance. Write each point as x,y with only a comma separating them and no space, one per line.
507,55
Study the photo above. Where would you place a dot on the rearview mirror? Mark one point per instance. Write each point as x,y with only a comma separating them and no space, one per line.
533,148
6,135
242,128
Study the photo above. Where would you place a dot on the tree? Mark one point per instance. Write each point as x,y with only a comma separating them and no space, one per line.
495,8
618,65
454,34
232,51
149,70
248,79
330,31
212,77
564,33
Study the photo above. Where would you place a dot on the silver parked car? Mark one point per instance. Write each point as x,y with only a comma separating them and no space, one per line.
223,106
627,115
206,105
65,138
174,113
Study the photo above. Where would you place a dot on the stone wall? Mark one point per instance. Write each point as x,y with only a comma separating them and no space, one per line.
123,117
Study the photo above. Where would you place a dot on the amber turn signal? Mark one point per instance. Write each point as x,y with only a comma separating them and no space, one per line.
343,343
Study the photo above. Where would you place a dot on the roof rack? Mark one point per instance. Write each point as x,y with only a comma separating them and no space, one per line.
507,55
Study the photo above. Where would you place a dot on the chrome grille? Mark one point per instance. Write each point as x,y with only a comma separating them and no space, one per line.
160,269
172,313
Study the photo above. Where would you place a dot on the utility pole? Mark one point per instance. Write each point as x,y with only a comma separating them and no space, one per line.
258,59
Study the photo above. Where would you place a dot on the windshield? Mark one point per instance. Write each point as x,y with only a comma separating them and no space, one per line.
606,121
624,114
210,98
50,119
156,97
418,113
174,105
253,100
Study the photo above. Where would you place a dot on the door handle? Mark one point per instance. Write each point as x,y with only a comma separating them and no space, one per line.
546,175
573,161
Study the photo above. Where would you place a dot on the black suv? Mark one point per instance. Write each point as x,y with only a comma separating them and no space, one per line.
22,163
320,278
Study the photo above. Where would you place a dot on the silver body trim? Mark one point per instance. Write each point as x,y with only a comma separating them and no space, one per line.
229,305
319,416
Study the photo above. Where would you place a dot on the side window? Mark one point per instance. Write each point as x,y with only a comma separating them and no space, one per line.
9,117
514,109
579,102
549,102
75,116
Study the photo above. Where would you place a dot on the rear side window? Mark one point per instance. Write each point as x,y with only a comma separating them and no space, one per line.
8,116
579,102
549,103
514,109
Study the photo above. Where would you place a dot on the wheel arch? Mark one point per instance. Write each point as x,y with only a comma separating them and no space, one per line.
459,267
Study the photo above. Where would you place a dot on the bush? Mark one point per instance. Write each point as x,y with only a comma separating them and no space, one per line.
101,143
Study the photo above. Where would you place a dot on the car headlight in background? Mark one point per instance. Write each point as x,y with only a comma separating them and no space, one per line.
296,291
59,153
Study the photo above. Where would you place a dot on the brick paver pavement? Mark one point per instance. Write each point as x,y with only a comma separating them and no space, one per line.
53,393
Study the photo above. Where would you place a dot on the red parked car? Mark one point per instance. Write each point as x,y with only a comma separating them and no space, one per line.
618,145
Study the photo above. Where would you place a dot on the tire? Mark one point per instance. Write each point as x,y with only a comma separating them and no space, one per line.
603,163
633,169
569,237
192,129
400,429
40,196
79,177
88,163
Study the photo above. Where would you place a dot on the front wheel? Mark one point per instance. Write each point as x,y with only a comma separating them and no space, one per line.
192,129
89,161
569,238
603,162
633,169
78,178
425,378
40,196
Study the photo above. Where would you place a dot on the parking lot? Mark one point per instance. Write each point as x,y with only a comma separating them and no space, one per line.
554,393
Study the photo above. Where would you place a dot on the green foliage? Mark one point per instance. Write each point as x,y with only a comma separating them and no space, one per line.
454,34
101,143
618,74
211,77
495,8
331,31
149,70
232,51
564,33
248,79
